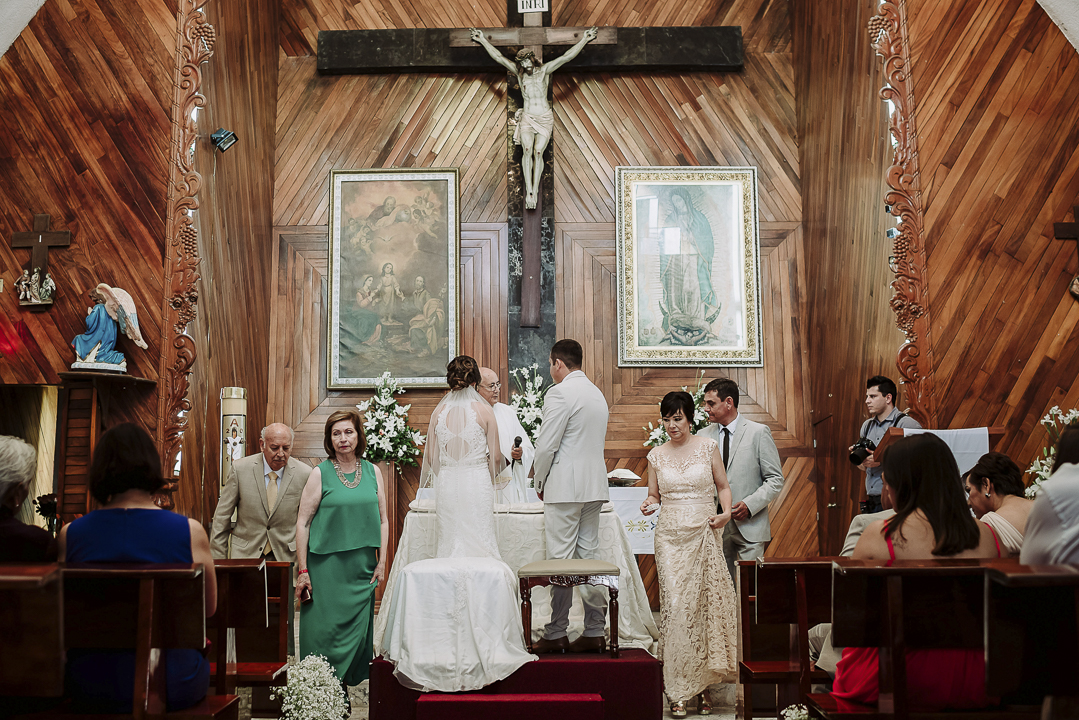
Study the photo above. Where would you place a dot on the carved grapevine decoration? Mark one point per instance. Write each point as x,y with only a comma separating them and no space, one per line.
887,31
195,43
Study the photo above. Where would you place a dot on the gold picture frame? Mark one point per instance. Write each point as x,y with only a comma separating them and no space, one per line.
394,286
688,247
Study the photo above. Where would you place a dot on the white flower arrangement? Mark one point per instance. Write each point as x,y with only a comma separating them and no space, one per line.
527,401
795,712
385,425
1040,470
657,435
313,691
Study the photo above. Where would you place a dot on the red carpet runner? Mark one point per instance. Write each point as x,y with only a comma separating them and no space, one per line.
631,686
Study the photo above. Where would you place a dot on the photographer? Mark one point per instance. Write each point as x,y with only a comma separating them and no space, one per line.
880,397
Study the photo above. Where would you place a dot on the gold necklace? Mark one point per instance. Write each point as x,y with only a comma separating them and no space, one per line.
341,476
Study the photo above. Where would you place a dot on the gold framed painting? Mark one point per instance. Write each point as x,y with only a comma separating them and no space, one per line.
688,249
394,292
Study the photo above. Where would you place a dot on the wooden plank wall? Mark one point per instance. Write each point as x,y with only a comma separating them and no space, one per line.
844,151
85,102
602,121
995,84
232,329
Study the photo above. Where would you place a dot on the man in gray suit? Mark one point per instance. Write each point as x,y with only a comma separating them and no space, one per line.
264,489
753,471
571,479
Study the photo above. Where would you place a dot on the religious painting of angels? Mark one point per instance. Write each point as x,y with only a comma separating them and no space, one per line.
394,290
688,250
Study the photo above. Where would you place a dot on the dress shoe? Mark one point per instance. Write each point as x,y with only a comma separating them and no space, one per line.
704,703
588,644
543,645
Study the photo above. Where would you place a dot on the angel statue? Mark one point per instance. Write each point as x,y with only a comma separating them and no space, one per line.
94,348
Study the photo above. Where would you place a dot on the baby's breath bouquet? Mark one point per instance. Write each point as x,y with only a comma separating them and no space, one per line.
795,712
1040,470
657,435
527,401
389,436
313,691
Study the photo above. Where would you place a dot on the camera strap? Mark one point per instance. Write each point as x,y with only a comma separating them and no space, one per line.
894,423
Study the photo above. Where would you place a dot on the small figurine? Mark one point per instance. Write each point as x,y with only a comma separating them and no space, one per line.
22,286
94,348
48,289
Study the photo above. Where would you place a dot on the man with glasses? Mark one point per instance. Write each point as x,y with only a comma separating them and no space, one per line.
518,454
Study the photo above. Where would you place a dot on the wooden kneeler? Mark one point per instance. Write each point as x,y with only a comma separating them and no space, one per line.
567,573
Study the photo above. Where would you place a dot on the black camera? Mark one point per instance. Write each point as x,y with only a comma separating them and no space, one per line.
861,449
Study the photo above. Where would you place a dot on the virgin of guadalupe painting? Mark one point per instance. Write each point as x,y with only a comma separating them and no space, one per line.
688,267
394,290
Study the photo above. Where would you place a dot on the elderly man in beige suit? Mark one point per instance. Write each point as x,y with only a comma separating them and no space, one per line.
264,489
571,479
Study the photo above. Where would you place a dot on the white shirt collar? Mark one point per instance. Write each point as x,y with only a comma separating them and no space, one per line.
732,425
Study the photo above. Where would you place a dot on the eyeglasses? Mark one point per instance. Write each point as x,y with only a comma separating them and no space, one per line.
493,386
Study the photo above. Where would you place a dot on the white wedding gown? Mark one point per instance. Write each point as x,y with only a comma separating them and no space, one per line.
454,620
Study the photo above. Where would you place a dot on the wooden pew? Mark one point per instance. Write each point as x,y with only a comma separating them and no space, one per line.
909,605
243,604
32,628
1032,633
757,642
147,609
797,593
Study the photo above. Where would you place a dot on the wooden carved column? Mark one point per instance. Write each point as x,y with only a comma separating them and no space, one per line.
888,33
194,46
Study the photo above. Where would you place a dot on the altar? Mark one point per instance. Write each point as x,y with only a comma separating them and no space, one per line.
520,541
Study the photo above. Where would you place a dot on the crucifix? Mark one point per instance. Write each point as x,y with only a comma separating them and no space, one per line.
1070,231
36,286
531,229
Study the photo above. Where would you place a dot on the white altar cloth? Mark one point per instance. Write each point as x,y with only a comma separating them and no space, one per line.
521,541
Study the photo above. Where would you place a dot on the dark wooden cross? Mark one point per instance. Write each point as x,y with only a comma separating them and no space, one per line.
696,49
1070,231
40,240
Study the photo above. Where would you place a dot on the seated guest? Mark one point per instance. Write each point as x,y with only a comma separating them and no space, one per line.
996,494
20,542
932,521
1052,532
125,472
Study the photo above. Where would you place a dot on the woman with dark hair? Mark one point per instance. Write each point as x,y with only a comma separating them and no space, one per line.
931,521
1052,531
452,622
125,472
996,494
340,526
698,618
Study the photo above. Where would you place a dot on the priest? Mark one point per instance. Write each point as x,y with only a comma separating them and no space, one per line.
512,438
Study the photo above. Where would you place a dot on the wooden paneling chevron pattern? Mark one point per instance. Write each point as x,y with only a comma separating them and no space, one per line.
851,328
373,121
586,300
995,85
85,102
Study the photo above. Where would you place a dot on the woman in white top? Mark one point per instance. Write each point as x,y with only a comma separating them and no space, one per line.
1052,533
996,494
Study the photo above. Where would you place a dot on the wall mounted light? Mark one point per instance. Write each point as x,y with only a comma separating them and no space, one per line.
223,139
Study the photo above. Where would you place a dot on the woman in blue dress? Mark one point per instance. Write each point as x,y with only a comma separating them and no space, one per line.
125,472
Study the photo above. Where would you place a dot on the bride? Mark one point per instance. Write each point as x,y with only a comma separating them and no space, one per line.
453,620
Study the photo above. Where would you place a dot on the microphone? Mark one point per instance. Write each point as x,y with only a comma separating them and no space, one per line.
516,444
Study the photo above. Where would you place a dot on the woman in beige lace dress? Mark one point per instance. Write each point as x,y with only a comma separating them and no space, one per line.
698,616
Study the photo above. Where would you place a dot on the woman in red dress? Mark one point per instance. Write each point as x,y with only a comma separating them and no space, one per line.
932,521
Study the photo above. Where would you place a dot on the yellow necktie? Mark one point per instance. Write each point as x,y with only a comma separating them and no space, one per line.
271,501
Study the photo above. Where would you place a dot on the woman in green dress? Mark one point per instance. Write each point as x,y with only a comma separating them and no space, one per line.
341,526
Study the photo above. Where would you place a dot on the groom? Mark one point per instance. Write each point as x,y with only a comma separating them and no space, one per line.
571,479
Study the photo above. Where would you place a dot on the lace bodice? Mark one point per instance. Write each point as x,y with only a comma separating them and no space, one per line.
461,440
688,477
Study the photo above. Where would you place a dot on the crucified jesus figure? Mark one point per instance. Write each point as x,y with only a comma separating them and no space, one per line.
535,121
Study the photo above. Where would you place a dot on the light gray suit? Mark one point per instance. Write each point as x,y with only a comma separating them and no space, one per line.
572,476
755,475
245,491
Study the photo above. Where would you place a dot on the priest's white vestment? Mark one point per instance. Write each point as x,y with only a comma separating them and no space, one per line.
509,429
